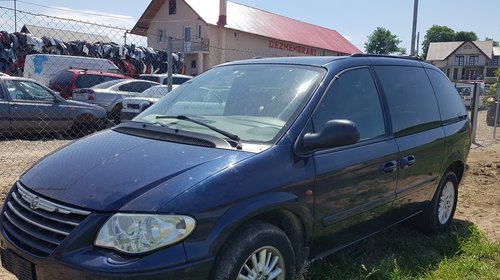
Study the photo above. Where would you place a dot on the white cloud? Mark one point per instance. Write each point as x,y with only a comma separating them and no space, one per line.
92,16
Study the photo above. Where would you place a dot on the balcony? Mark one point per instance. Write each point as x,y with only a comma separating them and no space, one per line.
192,46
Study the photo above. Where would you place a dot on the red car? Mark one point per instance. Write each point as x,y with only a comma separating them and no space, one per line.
70,79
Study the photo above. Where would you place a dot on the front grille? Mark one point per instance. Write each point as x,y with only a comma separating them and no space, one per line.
38,225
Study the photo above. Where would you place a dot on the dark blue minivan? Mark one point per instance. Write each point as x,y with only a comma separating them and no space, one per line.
245,172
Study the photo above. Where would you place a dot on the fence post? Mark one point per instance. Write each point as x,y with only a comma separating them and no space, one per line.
474,111
169,62
496,109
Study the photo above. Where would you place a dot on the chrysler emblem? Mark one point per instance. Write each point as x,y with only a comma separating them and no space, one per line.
34,203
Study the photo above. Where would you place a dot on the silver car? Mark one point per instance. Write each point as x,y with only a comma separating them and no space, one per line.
132,106
109,95
28,107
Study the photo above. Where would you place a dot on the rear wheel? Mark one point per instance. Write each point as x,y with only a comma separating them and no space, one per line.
260,251
438,215
114,116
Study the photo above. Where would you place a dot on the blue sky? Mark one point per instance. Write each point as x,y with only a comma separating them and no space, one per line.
354,19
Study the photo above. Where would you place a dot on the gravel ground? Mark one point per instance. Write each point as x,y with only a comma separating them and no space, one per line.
479,197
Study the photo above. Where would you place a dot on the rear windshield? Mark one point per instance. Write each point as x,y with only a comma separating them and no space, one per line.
107,84
62,80
89,80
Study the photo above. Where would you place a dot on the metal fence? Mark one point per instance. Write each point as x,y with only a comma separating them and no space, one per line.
62,56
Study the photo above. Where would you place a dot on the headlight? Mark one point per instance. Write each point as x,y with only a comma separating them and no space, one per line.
140,233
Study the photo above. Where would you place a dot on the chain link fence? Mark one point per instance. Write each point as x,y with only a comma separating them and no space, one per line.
64,59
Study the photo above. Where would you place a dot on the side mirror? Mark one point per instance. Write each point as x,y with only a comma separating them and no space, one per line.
335,133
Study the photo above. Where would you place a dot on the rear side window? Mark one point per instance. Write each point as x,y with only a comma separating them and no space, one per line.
62,80
450,103
410,97
178,80
353,96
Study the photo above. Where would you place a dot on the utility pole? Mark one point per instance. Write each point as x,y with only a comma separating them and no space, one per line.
414,28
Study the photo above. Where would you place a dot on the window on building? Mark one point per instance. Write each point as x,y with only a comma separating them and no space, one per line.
495,61
172,7
448,72
473,60
199,30
193,63
459,59
455,73
159,35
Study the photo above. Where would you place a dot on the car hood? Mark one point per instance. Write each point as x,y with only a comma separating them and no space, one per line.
111,171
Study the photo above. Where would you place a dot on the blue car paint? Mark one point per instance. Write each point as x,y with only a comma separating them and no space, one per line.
160,167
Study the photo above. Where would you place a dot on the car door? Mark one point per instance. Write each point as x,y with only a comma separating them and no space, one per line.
4,112
35,109
418,133
355,184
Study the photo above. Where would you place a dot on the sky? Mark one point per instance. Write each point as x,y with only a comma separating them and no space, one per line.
355,19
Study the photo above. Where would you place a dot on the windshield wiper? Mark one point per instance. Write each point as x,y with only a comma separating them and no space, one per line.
229,135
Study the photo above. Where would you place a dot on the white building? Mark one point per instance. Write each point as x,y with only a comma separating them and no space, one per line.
210,32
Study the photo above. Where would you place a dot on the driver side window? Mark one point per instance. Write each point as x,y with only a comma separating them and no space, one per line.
28,91
353,96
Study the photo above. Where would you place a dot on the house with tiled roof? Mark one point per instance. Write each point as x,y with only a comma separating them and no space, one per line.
466,61
210,32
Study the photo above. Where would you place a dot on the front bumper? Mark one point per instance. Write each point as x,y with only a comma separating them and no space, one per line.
91,264
127,115
77,258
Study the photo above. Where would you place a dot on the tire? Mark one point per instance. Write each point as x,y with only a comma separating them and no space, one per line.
260,243
114,116
438,214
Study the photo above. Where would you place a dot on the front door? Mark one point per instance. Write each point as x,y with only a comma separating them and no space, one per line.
4,113
36,109
355,185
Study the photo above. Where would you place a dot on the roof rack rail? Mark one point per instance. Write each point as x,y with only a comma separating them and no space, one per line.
416,58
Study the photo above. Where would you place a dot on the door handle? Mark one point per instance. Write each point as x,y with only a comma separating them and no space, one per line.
407,161
388,167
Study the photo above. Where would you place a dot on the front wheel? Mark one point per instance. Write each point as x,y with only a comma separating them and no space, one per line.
439,213
261,251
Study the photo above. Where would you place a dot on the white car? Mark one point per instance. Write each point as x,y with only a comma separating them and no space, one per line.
177,79
109,94
132,106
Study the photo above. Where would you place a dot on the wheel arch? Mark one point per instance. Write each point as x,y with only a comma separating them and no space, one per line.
293,218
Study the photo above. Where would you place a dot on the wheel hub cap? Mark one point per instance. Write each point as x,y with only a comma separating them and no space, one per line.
446,203
266,263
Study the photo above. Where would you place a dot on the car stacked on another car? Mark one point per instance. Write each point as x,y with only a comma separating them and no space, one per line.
29,107
68,80
109,95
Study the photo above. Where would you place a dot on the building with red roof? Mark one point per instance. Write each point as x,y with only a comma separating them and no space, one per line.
210,32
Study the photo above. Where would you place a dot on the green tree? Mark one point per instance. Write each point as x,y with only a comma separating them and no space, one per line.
382,41
465,36
436,33
495,43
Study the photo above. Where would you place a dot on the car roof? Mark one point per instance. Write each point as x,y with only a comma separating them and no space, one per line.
323,60
165,75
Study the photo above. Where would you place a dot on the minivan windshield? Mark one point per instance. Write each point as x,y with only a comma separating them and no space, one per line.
255,102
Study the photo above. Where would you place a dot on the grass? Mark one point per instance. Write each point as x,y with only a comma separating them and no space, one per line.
403,253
